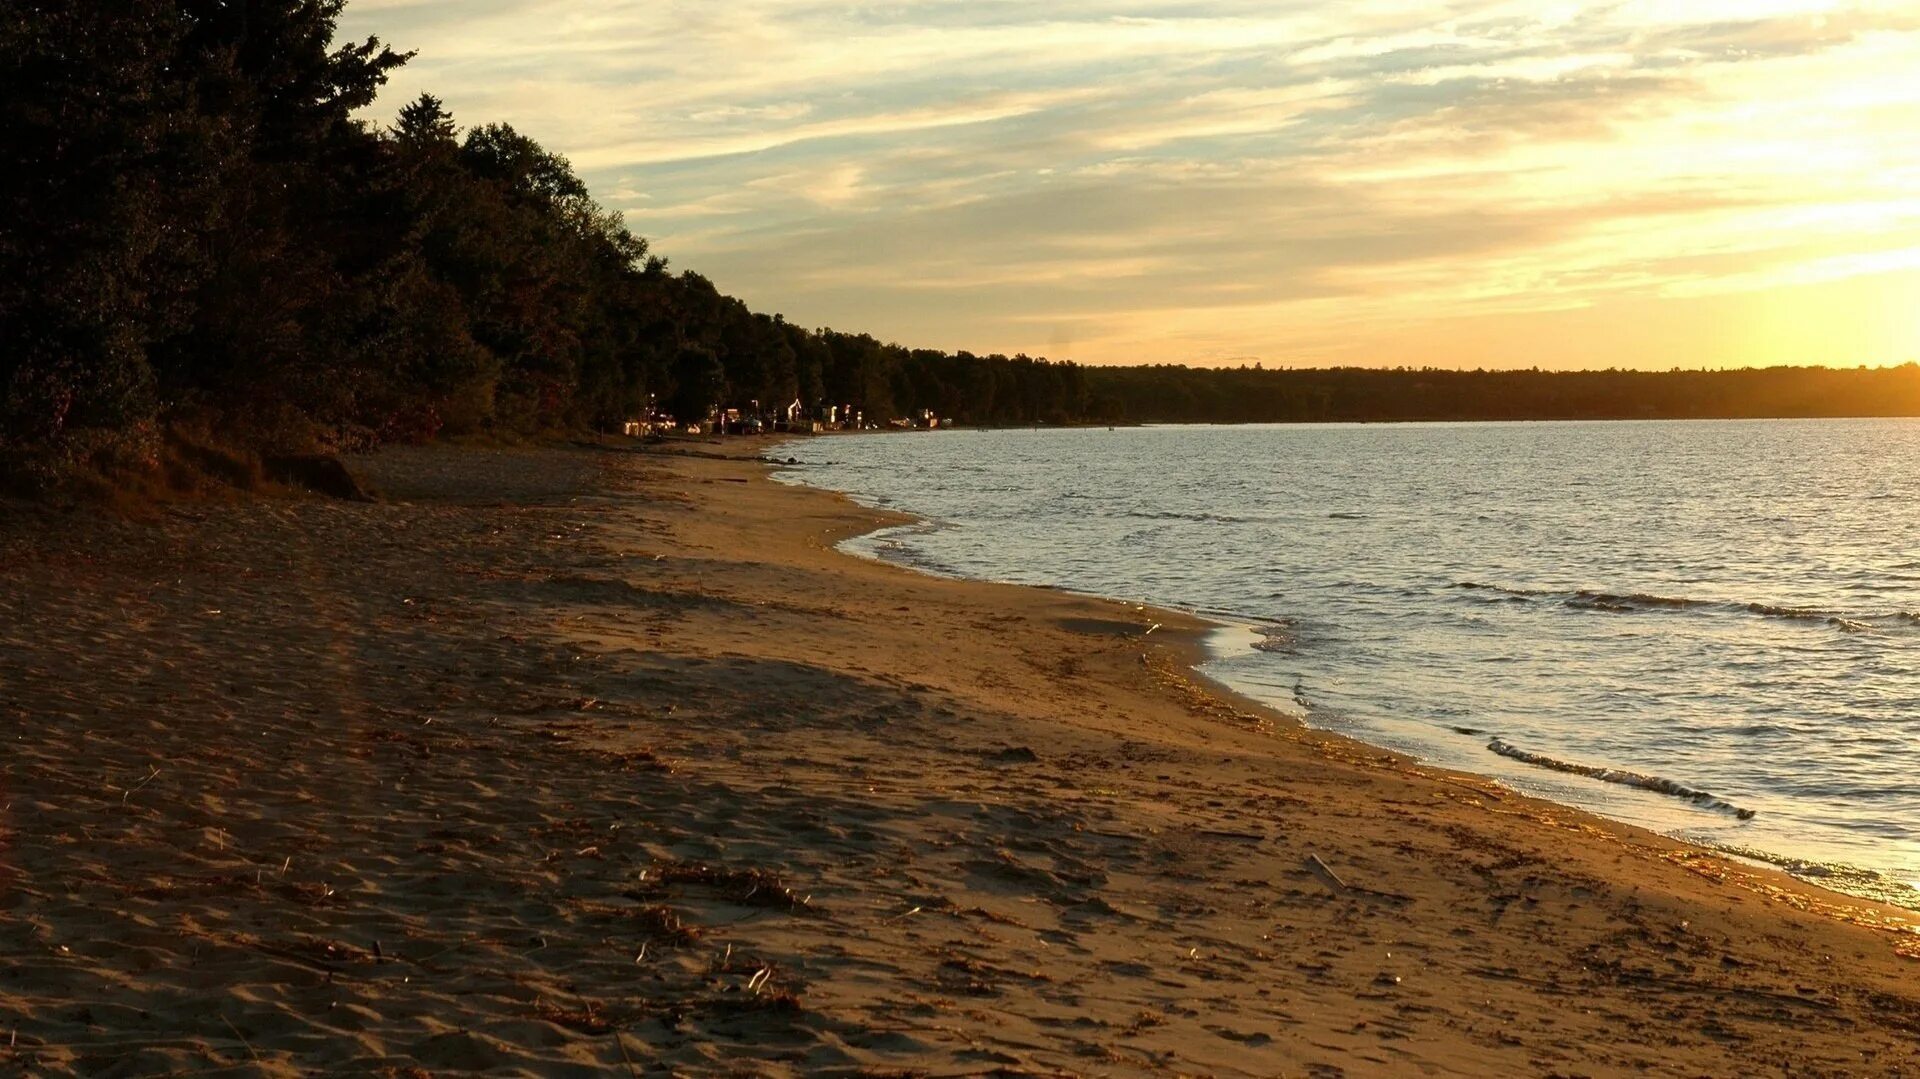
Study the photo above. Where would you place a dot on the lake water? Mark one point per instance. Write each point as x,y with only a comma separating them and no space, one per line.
1711,629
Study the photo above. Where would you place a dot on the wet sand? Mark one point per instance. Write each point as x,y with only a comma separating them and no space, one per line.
563,762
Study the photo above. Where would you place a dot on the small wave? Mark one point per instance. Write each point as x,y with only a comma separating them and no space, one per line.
1797,614
1632,601
898,545
1626,779
1347,516
1806,614
1629,602
1175,515
1278,638
1521,593
1839,876
903,555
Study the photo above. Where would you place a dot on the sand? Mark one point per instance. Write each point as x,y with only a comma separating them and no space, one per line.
565,762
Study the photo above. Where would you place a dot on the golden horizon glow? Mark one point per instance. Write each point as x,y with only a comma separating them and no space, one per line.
1467,184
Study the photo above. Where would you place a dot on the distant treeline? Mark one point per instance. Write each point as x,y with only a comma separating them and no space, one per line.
1167,394
199,239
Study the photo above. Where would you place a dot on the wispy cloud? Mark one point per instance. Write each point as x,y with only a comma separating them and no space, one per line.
1207,180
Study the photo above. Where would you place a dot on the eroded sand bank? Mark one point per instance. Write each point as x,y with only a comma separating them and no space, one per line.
564,762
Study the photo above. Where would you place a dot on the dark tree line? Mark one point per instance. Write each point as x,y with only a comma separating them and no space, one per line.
1165,394
198,234
195,229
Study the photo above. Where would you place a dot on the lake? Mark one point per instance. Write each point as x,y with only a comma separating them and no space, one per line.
1711,629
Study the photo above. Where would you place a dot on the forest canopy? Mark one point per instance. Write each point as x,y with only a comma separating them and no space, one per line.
199,230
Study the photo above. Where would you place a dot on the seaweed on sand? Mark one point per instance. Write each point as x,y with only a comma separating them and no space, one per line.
746,886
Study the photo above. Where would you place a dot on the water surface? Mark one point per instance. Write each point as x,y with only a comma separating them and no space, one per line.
1711,629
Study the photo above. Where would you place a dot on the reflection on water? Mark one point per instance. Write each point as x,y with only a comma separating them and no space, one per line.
1724,609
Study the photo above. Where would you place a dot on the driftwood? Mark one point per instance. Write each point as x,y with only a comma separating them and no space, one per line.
1320,869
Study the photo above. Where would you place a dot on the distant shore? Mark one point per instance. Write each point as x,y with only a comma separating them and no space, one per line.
582,762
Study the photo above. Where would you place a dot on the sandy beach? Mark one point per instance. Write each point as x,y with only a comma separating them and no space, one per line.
591,762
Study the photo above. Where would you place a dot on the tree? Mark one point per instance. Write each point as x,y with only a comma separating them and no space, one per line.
698,381
98,170
284,321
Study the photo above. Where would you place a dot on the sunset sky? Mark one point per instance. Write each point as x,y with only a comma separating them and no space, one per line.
1648,184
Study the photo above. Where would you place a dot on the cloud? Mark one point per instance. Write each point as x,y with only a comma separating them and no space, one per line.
1188,180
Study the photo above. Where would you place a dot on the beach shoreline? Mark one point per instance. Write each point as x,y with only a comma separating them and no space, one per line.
1206,648
570,761
1611,660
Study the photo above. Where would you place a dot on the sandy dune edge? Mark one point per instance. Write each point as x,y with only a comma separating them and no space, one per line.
593,763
